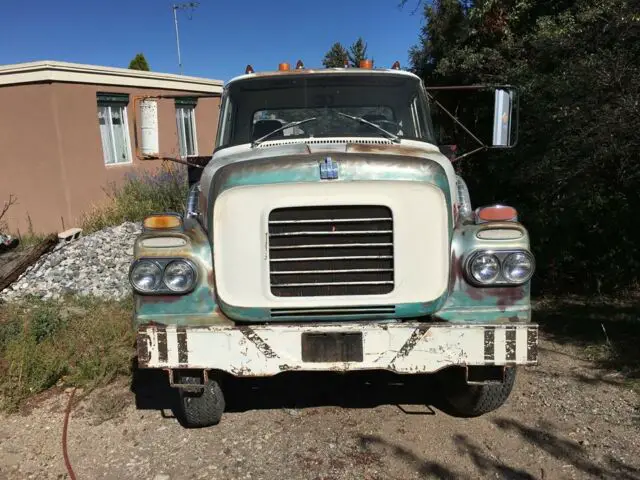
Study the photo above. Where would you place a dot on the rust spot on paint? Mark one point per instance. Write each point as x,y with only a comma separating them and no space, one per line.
183,351
163,352
285,367
507,296
162,299
411,342
392,149
143,342
254,338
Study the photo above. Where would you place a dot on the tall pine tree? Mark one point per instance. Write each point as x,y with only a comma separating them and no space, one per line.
139,63
357,52
336,57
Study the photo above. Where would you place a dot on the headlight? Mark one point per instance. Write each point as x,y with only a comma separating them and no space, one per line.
145,276
518,267
179,276
485,268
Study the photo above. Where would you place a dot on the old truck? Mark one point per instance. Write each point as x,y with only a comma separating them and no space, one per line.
329,232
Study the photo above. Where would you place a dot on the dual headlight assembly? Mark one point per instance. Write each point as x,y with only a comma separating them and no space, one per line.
486,268
160,275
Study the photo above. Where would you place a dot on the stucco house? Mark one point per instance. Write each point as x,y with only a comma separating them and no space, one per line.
67,131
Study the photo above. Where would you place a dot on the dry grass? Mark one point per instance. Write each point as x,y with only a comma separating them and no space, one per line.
82,342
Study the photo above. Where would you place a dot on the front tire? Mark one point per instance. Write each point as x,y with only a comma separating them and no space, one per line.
200,408
475,400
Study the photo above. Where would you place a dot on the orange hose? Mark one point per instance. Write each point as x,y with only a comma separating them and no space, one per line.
67,463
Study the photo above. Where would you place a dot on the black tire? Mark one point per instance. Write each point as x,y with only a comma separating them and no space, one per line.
475,400
200,408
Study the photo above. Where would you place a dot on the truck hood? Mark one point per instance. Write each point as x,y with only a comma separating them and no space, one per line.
382,154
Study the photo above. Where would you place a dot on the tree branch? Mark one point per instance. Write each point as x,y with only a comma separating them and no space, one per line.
7,205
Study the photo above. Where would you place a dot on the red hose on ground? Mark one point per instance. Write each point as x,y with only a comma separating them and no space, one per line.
64,437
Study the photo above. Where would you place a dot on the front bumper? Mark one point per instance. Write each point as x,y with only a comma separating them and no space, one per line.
407,347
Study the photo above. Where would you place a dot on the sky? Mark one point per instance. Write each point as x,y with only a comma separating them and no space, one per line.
218,41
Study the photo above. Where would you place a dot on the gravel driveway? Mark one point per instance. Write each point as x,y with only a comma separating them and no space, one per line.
565,419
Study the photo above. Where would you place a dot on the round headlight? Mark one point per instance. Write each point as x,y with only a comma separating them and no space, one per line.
179,276
145,276
485,268
518,267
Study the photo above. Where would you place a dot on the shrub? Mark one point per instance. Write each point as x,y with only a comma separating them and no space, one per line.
140,195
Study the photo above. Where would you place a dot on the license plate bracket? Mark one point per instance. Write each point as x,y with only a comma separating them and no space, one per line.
331,347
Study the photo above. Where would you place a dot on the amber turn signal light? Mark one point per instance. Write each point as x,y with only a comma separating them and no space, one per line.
496,213
162,222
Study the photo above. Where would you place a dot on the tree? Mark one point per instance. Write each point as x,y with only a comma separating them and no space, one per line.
572,176
139,63
357,52
336,57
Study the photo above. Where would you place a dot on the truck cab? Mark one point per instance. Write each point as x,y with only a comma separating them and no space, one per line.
329,232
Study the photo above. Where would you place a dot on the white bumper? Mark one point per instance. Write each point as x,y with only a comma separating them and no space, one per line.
408,347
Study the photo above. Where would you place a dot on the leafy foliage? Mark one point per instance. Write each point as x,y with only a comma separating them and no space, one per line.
336,57
139,62
574,175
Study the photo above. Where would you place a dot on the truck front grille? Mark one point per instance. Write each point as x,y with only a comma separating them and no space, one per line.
331,250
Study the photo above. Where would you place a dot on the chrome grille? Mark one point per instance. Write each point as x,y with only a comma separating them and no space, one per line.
331,250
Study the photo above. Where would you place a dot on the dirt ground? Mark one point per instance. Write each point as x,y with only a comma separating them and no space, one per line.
565,419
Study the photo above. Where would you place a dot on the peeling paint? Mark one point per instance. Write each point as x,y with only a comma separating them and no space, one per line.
226,348
254,338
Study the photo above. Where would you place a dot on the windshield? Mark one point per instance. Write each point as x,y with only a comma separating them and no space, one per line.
255,107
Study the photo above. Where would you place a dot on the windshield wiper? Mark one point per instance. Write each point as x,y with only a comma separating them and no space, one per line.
389,135
283,127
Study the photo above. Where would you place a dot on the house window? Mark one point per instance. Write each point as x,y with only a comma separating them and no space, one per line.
186,120
114,128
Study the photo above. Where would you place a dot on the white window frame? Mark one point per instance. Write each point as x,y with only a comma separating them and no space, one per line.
182,137
127,139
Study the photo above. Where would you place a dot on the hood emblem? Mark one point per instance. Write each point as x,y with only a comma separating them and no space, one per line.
328,169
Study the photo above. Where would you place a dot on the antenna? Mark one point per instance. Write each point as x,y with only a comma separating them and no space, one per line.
181,6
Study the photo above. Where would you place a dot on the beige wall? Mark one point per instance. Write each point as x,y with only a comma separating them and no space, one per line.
51,152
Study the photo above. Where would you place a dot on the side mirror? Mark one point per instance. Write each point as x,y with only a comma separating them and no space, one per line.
505,118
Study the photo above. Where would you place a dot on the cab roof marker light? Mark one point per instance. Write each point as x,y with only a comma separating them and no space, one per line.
283,67
366,63
496,213
163,221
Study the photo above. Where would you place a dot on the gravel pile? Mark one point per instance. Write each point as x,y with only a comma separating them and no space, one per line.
97,264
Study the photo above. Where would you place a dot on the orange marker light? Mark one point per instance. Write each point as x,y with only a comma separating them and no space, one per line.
496,213
283,67
366,63
162,221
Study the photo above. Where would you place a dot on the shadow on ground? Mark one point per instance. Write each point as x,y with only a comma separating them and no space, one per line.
564,450
608,329
413,395
296,390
